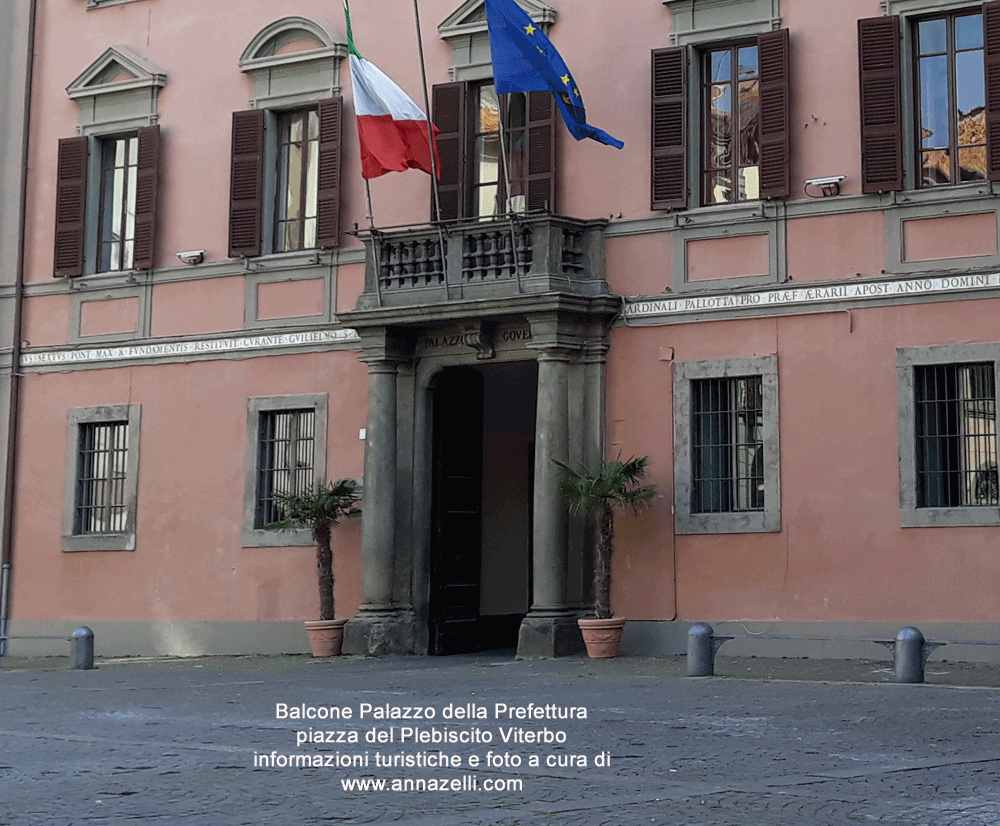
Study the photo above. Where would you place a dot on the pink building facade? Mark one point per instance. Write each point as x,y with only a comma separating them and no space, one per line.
782,290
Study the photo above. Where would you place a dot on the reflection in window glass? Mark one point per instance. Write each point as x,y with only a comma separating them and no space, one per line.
119,171
951,99
498,180
298,176
732,126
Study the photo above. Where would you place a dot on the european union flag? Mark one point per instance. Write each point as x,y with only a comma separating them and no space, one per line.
525,61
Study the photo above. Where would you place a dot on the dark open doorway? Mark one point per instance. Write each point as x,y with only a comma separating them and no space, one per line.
483,461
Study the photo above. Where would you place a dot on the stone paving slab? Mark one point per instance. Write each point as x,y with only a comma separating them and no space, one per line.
769,742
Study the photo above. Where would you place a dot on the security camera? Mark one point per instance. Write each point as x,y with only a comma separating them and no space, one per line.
829,181
192,256
828,186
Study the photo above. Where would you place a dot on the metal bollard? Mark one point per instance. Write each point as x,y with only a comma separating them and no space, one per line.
83,647
909,655
701,651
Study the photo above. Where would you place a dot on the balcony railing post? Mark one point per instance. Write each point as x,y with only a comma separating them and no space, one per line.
453,264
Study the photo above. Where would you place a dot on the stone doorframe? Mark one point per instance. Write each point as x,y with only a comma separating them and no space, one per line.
404,349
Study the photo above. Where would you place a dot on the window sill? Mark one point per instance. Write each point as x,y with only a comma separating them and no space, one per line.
943,195
709,523
99,542
100,4
972,517
723,214
274,261
262,538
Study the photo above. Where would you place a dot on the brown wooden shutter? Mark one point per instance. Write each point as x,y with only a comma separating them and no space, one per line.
246,184
71,207
668,174
145,196
328,204
541,179
449,116
881,116
991,36
775,115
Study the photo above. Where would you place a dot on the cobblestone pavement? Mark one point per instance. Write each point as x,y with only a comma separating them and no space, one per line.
801,742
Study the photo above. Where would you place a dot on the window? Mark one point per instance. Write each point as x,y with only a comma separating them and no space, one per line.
942,129
119,174
739,117
951,98
948,435
727,432
304,212
286,454
732,125
726,446
956,435
102,479
298,176
107,177
477,180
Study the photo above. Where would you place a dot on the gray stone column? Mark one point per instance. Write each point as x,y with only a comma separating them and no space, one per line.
382,626
377,516
550,628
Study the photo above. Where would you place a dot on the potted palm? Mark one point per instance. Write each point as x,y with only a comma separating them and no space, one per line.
320,508
598,492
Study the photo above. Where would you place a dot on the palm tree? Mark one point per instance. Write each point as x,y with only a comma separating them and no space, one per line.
598,492
320,508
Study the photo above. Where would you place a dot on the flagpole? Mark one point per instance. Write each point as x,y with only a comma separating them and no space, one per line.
431,144
506,179
375,245
368,190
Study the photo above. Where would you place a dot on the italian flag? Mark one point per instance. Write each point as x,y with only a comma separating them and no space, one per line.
392,129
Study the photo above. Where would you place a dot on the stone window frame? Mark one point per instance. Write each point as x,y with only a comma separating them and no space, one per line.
125,540
296,81
907,358
908,11
109,109
319,402
714,23
767,520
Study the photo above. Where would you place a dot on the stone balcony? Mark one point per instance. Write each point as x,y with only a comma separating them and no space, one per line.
491,259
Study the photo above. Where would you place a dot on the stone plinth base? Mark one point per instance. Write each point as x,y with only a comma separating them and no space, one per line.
543,636
377,634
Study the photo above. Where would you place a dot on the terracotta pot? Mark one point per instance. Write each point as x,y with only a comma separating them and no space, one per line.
602,636
326,636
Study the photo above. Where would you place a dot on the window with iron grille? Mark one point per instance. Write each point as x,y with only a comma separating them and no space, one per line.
285,454
726,450
285,464
102,465
947,425
102,478
956,439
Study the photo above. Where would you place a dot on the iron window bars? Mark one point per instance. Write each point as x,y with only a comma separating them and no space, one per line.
100,506
285,460
955,430
727,423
